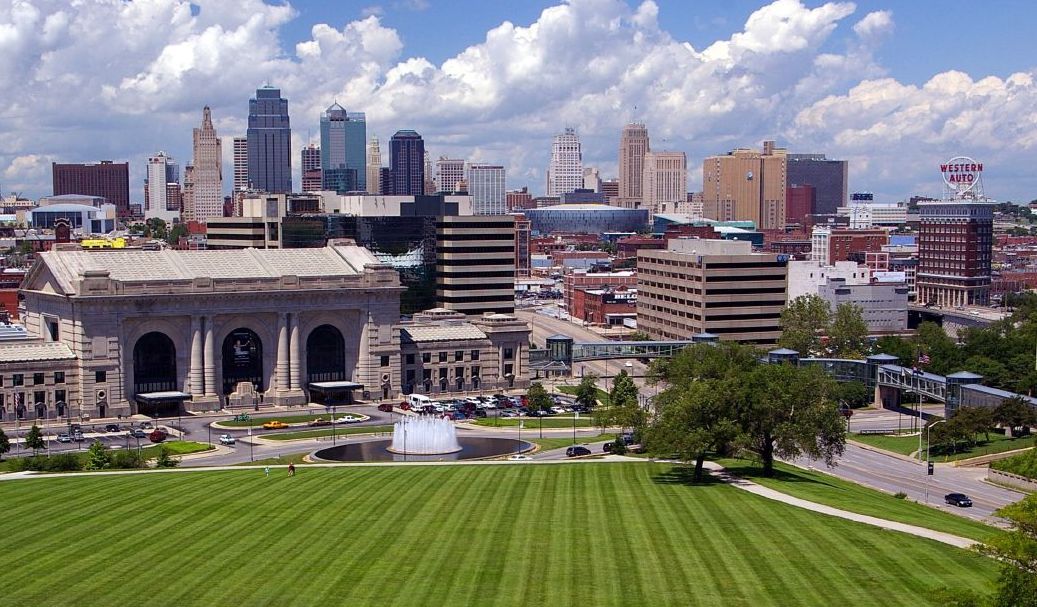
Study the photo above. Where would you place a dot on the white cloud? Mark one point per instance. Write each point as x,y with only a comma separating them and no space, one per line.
121,80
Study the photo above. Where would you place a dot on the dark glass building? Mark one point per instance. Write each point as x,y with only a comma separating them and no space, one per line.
343,149
406,164
829,178
269,138
110,180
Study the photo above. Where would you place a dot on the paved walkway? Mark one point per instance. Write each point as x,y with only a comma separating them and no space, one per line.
746,485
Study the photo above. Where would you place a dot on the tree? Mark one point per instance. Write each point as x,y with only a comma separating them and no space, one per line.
975,420
587,391
1012,413
803,321
537,398
623,409
98,457
786,411
693,421
848,333
942,351
165,458
705,361
853,394
5,443
174,234
1016,551
639,336
896,346
34,440
624,390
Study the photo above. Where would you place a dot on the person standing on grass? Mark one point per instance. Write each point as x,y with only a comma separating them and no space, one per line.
291,469
266,470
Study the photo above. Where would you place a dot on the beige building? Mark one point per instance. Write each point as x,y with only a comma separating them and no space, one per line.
374,166
38,380
475,263
746,185
710,286
203,179
633,145
665,182
445,352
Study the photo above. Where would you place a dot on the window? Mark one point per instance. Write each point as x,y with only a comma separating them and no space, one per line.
426,374
442,372
59,377
385,361
442,357
100,377
17,380
59,396
509,353
38,378
426,357
508,369
410,359
458,371
458,355
475,355
410,377
39,397
475,371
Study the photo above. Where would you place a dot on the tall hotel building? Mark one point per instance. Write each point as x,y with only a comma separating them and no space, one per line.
343,150
486,185
162,197
746,185
449,173
240,164
107,179
711,286
311,174
203,182
406,164
475,263
374,166
269,138
633,145
665,182
955,241
565,173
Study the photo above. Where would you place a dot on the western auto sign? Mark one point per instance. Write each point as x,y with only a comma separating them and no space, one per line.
961,173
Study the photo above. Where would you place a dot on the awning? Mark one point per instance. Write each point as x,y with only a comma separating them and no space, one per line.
336,385
162,397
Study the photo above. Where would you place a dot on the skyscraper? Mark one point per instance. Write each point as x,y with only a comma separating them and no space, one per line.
746,185
343,149
486,185
205,199
633,145
311,173
374,166
269,142
407,164
162,189
240,164
565,173
449,172
664,182
829,178
430,183
108,179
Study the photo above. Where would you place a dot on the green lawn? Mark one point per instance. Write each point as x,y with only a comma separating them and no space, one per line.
835,492
907,445
338,431
256,422
555,443
283,460
603,396
570,534
1023,464
585,421
148,450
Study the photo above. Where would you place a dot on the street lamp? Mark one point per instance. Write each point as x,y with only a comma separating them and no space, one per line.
927,428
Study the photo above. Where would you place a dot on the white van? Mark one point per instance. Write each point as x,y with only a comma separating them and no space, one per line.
417,401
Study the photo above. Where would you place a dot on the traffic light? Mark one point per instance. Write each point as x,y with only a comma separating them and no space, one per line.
930,468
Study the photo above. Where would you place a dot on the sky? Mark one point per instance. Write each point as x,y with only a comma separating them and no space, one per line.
895,88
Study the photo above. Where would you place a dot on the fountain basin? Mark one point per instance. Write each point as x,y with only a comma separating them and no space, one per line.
472,447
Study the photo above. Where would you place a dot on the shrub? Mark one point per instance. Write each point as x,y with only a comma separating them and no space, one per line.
23,464
619,447
1024,464
63,462
128,459
900,495
165,460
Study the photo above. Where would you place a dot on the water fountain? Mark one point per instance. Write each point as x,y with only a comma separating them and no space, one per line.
424,436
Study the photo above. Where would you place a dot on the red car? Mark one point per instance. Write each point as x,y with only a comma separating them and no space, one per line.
385,407
157,436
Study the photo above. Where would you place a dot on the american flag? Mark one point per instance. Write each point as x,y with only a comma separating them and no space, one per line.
923,359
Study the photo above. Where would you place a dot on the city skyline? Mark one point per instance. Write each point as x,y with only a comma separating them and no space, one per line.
818,78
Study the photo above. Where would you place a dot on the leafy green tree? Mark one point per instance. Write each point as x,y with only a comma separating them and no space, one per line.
34,440
693,421
98,457
175,233
787,411
537,398
5,443
1016,551
975,420
624,409
852,394
623,391
942,351
848,333
705,361
165,459
896,346
1012,413
803,321
639,336
587,391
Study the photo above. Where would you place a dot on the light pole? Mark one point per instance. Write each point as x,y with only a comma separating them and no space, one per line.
927,428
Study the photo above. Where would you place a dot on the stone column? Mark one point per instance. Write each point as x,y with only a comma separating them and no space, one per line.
282,352
294,364
196,374
209,358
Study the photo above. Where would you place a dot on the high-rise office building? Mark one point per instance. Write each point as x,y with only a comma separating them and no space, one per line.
240,164
110,180
162,189
430,182
203,186
374,166
486,185
746,185
475,263
565,173
449,173
828,177
343,149
591,179
311,172
665,182
955,242
269,142
407,164
633,145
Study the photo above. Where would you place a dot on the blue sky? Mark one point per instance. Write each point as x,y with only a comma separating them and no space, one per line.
893,87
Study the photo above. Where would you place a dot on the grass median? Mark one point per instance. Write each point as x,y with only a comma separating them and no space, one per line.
906,445
535,422
339,431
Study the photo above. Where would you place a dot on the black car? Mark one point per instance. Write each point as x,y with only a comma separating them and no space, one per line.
577,451
138,433
111,427
958,499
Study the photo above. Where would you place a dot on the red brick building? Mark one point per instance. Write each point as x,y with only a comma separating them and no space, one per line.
847,244
604,306
596,280
518,200
800,203
628,246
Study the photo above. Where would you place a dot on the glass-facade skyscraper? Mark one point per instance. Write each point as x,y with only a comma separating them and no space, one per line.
269,138
343,149
407,164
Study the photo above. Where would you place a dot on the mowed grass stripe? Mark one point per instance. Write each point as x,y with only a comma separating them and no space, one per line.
568,534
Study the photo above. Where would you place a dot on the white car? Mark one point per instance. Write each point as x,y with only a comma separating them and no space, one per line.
226,439
349,419
518,457
557,409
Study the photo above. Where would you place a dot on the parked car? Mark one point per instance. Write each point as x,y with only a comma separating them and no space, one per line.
509,414
577,451
958,499
385,407
146,425
275,425
157,436
64,438
349,419
111,427
138,433
320,421
77,436
518,457
226,439
557,409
